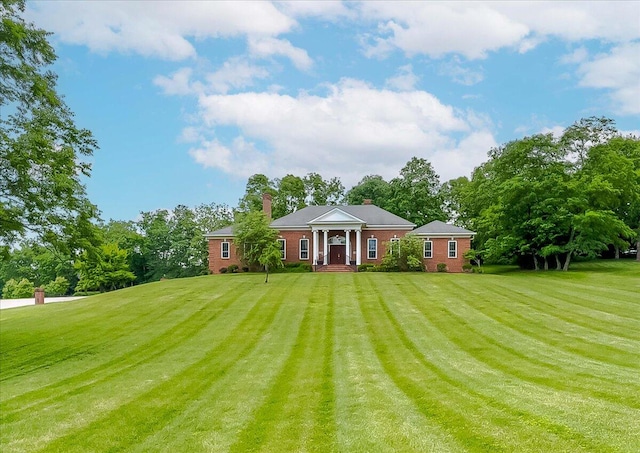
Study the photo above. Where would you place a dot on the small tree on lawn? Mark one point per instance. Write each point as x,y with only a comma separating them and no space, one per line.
404,255
257,243
474,255
270,257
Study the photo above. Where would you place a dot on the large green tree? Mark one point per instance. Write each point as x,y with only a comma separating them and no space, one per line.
173,243
41,149
257,185
37,263
105,270
371,187
415,194
541,198
257,243
289,197
322,192
615,166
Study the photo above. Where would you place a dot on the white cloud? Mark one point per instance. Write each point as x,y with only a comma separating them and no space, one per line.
351,131
619,72
579,55
437,29
328,10
473,29
404,80
190,135
557,131
461,74
460,160
241,158
266,47
614,21
179,83
158,29
234,74
631,132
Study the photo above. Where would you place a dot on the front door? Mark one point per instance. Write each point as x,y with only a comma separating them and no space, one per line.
337,254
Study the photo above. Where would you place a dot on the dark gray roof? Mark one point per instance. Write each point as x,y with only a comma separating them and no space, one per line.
226,231
440,228
369,213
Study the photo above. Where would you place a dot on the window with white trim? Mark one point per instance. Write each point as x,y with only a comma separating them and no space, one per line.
428,249
283,248
224,250
372,248
395,246
304,249
453,249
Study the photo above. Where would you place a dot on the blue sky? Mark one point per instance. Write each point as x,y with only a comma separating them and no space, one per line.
188,99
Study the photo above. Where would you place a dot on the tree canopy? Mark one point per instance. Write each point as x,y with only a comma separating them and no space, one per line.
41,148
542,199
291,193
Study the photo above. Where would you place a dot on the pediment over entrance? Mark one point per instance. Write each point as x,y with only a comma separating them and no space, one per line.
336,217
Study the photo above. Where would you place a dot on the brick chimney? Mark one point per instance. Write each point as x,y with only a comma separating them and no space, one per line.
366,201
266,204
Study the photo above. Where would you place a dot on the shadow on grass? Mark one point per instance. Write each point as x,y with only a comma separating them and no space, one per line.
621,266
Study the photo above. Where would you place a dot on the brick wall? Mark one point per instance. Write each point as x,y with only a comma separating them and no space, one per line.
292,245
440,249
216,262
441,254
383,236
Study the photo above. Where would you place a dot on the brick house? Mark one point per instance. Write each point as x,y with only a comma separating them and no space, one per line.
330,236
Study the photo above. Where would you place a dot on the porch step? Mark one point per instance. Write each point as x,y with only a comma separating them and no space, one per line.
335,268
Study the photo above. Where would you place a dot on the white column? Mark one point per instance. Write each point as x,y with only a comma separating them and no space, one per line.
326,246
358,251
347,233
315,247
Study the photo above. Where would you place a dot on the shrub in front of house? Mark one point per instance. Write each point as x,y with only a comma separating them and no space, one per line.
293,268
441,267
366,267
467,267
223,270
233,268
403,255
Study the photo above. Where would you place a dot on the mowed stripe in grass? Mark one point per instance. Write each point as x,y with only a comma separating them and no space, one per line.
331,362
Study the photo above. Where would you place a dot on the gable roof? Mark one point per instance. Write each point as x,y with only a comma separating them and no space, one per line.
226,232
367,214
438,228
336,215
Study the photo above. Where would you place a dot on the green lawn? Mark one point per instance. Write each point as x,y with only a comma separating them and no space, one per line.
511,361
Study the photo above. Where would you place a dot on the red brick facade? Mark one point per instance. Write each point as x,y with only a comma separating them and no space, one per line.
440,249
223,253
216,262
440,253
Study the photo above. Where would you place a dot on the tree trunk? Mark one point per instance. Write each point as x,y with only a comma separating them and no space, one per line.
266,277
568,260
546,264
617,252
535,262
558,264
638,250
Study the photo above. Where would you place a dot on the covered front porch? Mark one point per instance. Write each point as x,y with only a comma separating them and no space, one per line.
337,239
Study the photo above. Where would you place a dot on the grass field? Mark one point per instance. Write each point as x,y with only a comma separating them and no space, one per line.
512,361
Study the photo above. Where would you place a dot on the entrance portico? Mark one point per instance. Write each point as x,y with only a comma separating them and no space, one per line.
336,227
